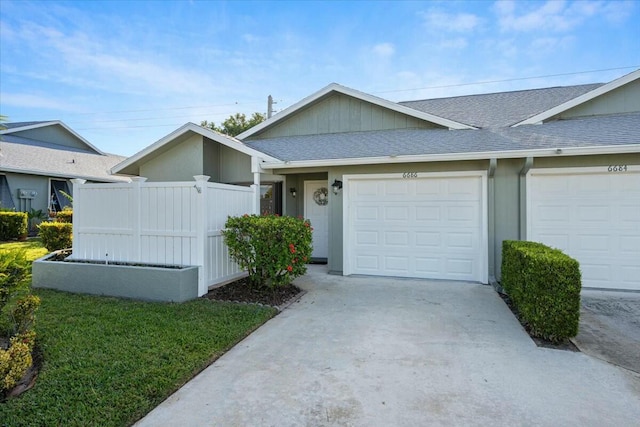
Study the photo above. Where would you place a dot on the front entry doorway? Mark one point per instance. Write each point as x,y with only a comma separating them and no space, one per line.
316,210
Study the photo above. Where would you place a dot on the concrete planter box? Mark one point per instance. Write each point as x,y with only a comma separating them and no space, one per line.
151,283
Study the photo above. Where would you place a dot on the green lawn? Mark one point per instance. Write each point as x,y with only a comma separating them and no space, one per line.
33,248
109,361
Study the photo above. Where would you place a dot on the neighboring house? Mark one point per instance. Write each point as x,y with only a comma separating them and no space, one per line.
431,188
37,160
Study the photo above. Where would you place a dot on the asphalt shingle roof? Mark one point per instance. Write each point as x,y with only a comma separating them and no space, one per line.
22,154
499,109
583,132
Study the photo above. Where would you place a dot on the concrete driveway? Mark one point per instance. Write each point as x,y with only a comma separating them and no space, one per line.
610,327
393,352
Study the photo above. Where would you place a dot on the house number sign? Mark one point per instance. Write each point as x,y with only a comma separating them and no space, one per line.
617,168
410,175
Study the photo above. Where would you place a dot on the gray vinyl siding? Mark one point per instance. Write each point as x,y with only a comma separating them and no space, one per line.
340,113
211,159
624,99
179,163
55,135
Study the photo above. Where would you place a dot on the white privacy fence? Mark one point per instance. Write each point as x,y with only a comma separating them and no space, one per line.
169,223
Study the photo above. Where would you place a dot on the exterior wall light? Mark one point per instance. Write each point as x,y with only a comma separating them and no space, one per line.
292,190
336,186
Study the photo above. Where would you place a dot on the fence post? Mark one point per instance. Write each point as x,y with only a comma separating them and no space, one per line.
201,231
77,209
136,204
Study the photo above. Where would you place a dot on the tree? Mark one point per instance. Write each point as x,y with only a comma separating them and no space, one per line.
236,124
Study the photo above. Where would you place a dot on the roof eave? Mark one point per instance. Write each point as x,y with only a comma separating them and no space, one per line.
541,117
543,152
61,175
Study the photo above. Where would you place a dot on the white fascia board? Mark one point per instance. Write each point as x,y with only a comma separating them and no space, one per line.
334,87
52,123
191,127
543,152
121,178
23,128
539,118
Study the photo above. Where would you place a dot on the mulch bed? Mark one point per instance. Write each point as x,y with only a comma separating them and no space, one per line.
540,342
242,291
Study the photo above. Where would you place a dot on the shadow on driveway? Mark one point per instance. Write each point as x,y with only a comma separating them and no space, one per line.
610,327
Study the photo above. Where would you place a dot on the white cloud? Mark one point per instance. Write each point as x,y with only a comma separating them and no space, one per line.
454,43
384,49
556,16
436,20
544,45
99,64
27,100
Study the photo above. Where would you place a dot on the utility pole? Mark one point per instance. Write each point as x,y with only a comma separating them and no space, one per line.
270,109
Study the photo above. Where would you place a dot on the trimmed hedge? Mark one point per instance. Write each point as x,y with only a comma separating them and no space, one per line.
544,286
56,235
13,225
273,249
65,215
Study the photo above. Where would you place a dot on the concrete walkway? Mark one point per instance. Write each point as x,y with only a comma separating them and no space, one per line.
392,352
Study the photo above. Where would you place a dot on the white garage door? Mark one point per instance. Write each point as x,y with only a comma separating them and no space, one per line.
592,215
424,225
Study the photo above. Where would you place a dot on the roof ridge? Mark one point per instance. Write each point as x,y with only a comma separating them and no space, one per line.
497,93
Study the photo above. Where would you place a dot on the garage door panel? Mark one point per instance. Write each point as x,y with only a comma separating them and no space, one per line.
426,228
629,246
461,267
396,239
395,213
595,218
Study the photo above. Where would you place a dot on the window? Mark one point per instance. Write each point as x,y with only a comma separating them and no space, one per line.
271,199
6,201
57,200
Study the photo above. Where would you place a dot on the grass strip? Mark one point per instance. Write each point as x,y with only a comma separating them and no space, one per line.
109,361
32,247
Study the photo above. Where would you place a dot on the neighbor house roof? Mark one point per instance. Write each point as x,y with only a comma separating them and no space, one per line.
336,88
16,127
500,109
598,134
23,155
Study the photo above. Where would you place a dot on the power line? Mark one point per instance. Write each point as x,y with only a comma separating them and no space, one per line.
508,80
260,102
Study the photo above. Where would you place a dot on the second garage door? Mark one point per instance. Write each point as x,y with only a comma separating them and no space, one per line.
416,225
594,216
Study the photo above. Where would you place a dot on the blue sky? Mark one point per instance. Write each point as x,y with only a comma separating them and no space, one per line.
123,74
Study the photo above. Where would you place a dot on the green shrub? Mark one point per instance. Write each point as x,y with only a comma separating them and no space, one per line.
544,285
12,225
15,274
55,235
65,215
273,249
17,307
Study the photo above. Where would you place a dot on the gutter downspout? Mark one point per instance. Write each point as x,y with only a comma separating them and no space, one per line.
528,164
493,163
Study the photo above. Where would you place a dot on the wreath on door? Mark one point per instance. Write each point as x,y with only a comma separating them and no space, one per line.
321,196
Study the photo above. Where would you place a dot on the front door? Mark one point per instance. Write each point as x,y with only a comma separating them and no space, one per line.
316,210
